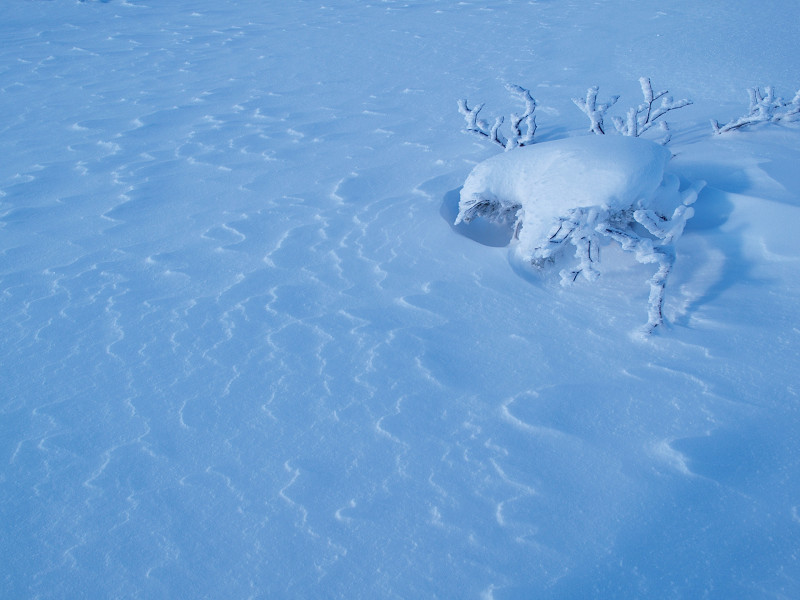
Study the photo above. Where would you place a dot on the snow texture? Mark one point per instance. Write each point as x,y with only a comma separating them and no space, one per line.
246,353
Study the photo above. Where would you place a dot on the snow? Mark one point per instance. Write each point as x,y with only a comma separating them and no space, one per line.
547,180
246,354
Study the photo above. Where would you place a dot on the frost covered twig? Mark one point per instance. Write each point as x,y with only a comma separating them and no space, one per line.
639,119
493,133
586,242
594,111
643,117
646,252
765,107
527,117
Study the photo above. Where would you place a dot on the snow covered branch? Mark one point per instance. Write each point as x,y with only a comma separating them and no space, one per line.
765,107
643,117
492,132
594,111
639,119
523,126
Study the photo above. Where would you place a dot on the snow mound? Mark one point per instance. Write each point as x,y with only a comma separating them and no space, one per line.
538,185
585,191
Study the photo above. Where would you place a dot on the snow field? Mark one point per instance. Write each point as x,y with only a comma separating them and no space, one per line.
246,355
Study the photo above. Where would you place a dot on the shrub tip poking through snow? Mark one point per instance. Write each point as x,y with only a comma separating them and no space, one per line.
585,191
765,107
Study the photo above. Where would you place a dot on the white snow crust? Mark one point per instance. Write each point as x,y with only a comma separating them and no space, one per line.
245,353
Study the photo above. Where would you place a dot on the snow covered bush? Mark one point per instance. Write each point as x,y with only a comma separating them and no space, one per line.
639,119
585,191
765,107
516,139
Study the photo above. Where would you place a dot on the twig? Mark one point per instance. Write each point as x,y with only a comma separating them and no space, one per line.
493,133
765,107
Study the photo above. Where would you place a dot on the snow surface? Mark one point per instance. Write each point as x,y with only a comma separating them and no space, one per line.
245,354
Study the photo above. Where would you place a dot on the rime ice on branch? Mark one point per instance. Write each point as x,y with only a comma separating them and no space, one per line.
639,119
517,138
594,111
765,107
644,117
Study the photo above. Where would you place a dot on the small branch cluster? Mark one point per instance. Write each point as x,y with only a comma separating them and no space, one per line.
523,126
517,138
577,227
644,117
594,111
659,250
639,119
765,107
